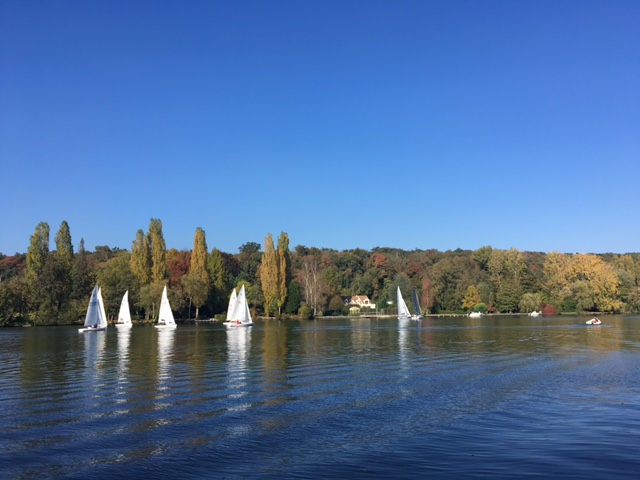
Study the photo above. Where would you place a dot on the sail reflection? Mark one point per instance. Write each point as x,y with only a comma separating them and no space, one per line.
94,350
124,340
166,338
238,345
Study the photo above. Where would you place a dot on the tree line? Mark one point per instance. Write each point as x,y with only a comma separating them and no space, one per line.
51,286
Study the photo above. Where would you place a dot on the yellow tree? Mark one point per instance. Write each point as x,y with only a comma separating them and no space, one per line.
269,275
141,259
471,298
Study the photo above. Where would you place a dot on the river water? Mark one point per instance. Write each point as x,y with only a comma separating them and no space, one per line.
495,397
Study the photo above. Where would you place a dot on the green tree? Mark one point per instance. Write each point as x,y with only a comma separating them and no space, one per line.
531,302
37,256
269,276
294,298
158,252
284,270
197,282
220,280
115,277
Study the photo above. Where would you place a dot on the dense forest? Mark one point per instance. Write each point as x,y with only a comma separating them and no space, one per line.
46,286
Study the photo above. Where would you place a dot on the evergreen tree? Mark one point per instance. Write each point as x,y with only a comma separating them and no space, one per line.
284,269
294,299
158,251
81,281
269,275
141,259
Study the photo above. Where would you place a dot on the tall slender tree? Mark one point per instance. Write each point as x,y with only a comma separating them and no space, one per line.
37,256
158,251
284,270
269,275
64,247
141,259
197,281
220,280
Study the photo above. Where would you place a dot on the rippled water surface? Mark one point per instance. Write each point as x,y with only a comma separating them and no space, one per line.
496,397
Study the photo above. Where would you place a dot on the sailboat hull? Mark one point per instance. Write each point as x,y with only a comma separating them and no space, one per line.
237,324
123,325
92,329
166,327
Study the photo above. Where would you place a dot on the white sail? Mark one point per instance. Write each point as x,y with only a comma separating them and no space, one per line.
95,319
232,304
403,311
241,315
124,315
165,319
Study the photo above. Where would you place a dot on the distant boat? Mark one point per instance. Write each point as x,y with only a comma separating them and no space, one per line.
535,314
165,319
240,315
594,321
124,315
96,318
475,314
417,313
403,311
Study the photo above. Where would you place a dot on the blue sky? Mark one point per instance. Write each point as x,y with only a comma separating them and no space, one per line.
347,124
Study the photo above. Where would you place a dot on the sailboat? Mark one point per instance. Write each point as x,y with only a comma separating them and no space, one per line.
403,311
240,316
96,318
232,304
417,313
124,316
165,319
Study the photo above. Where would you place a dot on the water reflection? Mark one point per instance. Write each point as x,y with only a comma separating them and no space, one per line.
124,340
166,339
238,345
361,334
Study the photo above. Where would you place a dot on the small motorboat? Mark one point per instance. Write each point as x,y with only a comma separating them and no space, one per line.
594,321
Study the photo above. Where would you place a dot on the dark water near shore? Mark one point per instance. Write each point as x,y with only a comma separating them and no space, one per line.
496,397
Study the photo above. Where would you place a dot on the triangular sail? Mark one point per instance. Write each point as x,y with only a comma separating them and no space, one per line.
103,314
232,304
403,311
166,315
416,303
124,316
241,311
95,311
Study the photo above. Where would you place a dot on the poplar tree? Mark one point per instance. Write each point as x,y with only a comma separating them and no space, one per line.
158,251
220,281
37,254
197,281
81,282
141,259
64,247
284,270
269,275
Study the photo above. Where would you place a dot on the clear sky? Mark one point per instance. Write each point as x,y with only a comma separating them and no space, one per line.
347,124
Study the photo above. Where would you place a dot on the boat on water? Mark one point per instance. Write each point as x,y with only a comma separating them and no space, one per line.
238,314
165,318
417,312
403,311
124,315
535,314
475,314
96,318
594,321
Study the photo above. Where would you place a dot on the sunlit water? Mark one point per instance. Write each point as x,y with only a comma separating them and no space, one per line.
496,397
